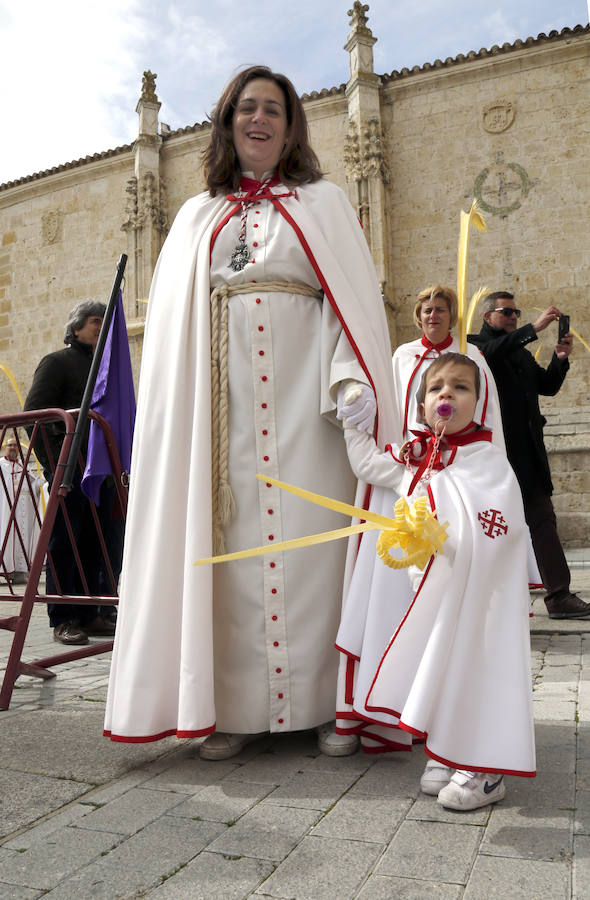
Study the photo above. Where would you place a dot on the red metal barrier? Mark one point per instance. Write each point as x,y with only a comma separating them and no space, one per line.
41,426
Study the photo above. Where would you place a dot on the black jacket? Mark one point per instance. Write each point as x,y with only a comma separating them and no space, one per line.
520,380
59,381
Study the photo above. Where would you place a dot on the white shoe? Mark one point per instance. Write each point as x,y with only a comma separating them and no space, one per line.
436,776
332,744
470,790
223,745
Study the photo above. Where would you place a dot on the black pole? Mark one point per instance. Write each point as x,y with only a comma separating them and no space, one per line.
92,376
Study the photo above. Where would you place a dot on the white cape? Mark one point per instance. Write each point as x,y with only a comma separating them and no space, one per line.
163,676
377,597
456,671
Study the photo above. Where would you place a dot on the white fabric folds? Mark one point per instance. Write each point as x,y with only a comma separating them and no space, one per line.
248,647
455,671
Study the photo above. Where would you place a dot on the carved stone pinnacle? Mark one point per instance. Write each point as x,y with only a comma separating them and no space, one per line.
358,17
148,87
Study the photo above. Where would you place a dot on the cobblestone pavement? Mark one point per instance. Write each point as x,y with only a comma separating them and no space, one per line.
81,817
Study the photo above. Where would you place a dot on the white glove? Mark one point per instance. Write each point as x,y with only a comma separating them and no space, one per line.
356,405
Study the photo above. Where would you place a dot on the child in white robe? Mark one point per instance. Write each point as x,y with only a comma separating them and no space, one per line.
456,673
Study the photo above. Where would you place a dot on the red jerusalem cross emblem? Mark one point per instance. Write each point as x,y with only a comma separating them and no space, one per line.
492,522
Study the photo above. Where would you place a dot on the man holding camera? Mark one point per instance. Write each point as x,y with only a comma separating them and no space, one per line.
520,380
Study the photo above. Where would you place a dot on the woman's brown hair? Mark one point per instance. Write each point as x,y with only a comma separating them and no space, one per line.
298,163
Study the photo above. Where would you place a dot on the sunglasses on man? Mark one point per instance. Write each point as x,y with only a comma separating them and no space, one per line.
508,311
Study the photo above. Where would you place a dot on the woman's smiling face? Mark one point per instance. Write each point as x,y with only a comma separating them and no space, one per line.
259,126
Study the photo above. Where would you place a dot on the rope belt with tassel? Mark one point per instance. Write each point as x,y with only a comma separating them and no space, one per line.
223,501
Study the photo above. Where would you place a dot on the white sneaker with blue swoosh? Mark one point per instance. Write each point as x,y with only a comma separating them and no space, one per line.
470,790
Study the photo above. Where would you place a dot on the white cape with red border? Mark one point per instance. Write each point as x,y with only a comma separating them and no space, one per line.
162,674
456,672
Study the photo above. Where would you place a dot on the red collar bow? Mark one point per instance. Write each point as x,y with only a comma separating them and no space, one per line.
251,190
438,347
431,449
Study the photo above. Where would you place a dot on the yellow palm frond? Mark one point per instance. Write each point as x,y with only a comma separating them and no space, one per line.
479,295
473,217
12,380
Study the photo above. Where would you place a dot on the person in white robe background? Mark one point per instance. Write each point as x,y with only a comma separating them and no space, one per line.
264,303
455,672
19,535
435,314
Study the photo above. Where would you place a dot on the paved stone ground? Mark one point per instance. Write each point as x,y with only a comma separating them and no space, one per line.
81,817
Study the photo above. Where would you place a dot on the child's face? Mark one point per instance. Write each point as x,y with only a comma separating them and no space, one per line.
450,398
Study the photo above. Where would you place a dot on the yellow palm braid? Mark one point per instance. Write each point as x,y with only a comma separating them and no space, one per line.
473,217
415,530
12,380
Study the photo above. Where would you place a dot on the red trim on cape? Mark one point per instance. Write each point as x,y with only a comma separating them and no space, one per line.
407,400
320,276
327,293
401,624
252,192
427,440
469,768
362,729
149,738
484,409
389,747
349,690
350,655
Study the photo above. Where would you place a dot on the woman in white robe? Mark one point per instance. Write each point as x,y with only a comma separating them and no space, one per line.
264,300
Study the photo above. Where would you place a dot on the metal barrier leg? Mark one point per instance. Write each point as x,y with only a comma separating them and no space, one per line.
92,593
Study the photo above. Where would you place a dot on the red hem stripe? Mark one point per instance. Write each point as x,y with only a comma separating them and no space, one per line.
467,767
150,738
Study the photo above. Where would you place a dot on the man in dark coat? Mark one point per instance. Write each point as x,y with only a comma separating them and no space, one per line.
520,380
59,381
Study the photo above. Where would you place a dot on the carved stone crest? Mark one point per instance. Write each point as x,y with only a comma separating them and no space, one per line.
498,116
500,187
51,229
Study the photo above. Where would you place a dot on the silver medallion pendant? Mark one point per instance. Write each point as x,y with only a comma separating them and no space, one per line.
240,257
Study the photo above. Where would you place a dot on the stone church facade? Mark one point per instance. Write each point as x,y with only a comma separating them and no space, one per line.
508,125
